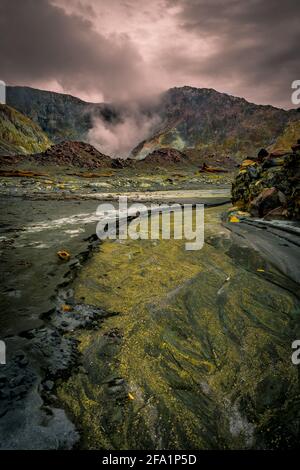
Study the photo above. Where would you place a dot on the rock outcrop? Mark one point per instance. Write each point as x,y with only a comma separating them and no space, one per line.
68,154
210,122
18,134
164,157
78,154
268,185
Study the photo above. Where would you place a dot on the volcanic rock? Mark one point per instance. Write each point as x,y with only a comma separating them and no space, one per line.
211,169
269,188
268,200
263,153
74,154
68,153
120,163
165,157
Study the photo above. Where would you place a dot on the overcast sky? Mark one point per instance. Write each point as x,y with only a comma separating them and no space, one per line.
110,50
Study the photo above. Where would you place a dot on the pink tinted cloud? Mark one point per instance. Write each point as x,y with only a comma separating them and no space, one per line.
129,49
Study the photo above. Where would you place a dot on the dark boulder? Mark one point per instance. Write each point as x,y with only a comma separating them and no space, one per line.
268,200
270,188
262,154
296,147
120,163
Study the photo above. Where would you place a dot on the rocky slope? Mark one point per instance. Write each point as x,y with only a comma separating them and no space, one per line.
285,140
84,155
78,154
211,123
268,185
18,134
164,157
216,124
69,154
62,117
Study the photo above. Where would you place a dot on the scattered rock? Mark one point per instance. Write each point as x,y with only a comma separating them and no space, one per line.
262,154
93,175
15,382
68,153
296,147
269,188
279,213
268,200
79,316
66,308
247,163
56,354
163,157
63,255
211,169
48,385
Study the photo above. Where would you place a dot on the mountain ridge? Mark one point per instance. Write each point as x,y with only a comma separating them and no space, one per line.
201,121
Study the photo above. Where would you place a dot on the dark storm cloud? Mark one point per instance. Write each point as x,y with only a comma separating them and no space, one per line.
41,43
127,49
256,44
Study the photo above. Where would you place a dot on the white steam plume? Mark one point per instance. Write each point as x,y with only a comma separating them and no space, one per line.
118,139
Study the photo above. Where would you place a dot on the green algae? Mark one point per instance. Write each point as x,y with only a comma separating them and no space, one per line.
198,355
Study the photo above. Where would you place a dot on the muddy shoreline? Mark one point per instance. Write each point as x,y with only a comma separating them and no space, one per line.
35,326
121,392
41,326
28,386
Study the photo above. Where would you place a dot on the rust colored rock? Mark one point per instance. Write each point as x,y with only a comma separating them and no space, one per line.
63,255
163,156
210,169
247,162
21,173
